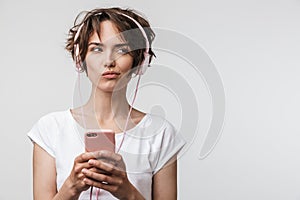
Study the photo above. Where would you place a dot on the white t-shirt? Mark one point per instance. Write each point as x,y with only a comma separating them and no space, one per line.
145,150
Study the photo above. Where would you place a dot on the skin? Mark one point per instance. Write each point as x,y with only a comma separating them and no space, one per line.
111,113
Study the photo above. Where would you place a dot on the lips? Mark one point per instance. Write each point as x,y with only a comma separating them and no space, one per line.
110,74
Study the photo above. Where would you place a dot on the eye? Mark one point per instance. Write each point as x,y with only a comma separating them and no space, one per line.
96,49
122,50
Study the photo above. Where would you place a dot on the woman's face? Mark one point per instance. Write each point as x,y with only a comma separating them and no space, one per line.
107,59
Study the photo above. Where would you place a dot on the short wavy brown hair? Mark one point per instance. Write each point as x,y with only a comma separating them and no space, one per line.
91,23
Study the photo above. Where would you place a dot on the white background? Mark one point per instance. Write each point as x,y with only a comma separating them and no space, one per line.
255,46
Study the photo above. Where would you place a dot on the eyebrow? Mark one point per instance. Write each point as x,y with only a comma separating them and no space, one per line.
95,43
101,44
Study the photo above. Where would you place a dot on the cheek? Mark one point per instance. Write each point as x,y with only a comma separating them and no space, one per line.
94,61
125,63
93,68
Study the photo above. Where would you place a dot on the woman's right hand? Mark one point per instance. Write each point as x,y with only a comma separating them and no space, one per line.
75,180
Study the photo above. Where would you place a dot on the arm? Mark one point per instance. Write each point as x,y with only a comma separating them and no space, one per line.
164,186
44,177
44,174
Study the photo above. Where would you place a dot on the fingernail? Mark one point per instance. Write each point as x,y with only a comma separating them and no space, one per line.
91,162
84,170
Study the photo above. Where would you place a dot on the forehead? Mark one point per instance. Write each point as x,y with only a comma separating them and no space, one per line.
108,33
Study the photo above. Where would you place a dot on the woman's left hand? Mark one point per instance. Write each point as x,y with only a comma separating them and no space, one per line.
108,172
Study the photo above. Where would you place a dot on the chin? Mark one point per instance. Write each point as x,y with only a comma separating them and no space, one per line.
105,89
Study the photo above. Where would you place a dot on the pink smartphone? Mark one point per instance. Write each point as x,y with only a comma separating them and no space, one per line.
96,140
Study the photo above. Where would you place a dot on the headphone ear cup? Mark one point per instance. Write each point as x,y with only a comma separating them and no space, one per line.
143,66
78,62
79,66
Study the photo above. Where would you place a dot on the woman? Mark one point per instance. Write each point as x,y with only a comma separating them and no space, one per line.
110,45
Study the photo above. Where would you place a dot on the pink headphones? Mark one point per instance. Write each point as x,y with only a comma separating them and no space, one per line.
141,68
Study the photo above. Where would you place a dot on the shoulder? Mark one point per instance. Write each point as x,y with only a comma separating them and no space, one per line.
52,122
45,131
156,127
165,132
54,118
160,123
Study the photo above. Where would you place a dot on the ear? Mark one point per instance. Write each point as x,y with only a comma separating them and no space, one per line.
79,67
78,62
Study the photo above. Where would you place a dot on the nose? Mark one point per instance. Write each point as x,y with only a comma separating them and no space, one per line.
109,60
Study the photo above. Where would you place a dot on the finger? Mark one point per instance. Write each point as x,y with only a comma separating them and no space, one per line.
112,158
84,157
99,171
107,187
104,154
101,177
79,166
109,168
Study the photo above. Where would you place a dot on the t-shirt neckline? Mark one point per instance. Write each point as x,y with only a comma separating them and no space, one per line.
76,124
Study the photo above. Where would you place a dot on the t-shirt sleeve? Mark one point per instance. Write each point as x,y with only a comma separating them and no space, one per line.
171,144
43,133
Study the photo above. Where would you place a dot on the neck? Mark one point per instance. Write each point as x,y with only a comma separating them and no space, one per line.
106,106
